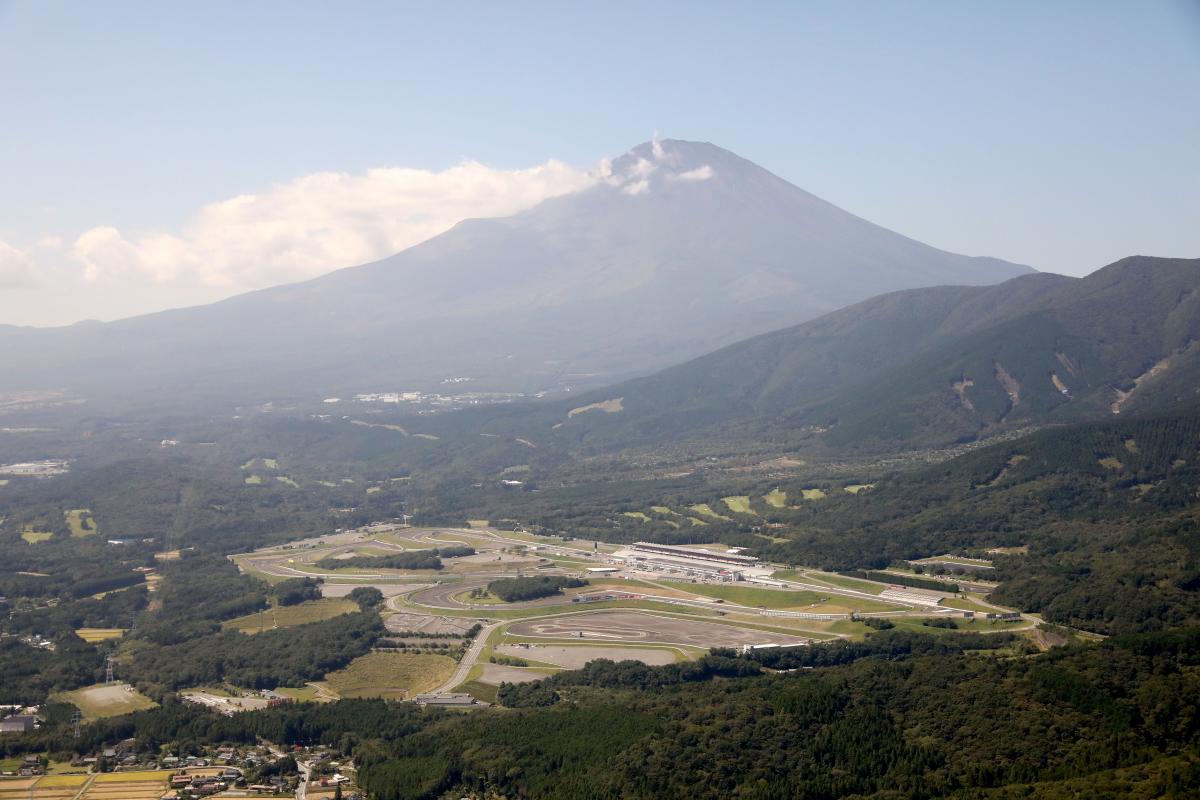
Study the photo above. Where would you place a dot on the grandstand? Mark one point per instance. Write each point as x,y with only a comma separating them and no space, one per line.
702,555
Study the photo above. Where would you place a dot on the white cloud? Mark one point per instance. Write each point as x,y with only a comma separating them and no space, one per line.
16,267
316,223
636,187
702,173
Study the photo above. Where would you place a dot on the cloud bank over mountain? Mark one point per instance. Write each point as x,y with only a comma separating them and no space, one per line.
288,232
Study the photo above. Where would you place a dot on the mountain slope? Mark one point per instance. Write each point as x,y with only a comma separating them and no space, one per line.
677,249
916,368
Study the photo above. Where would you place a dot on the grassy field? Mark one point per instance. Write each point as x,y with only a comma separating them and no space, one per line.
776,498
393,676
34,536
855,584
254,480
301,694
99,701
480,691
963,604
93,635
778,599
855,488
487,599
81,522
706,510
291,616
638,515
738,504
477,523
286,480
812,494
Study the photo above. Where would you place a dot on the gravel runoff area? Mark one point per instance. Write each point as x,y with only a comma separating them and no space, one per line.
638,627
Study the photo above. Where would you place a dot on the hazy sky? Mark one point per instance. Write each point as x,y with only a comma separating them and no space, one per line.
155,154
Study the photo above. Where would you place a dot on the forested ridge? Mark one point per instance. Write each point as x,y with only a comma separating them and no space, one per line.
899,716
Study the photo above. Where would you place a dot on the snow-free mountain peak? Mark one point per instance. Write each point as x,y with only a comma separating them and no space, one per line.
677,248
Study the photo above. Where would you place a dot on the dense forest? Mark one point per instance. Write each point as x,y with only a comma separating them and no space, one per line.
899,716
411,559
512,590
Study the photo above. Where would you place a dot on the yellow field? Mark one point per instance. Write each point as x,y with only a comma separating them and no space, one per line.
109,786
254,480
54,781
392,676
477,523
855,488
638,515
162,775
93,635
9,790
128,785
813,494
291,616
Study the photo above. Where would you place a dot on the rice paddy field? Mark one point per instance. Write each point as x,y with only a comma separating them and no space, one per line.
48,787
149,785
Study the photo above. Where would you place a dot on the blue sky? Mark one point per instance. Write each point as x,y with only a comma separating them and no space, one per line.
1063,135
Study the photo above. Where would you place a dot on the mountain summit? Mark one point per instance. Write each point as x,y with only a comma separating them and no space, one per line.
677,248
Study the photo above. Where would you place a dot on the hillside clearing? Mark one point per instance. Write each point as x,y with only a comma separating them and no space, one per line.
392,676
81,522
706,510
34,536
291,616
738,504
100,701
776,498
